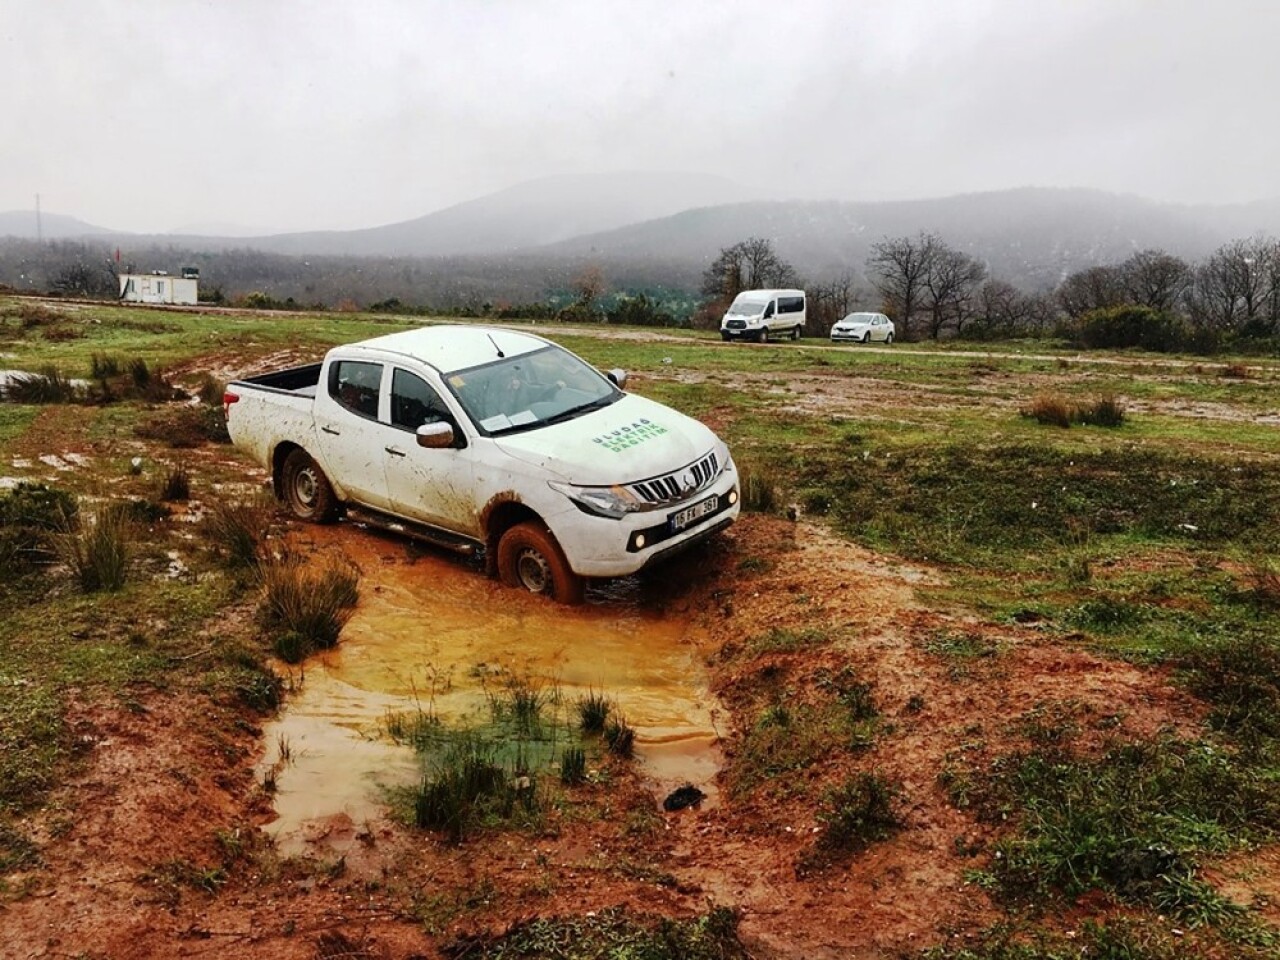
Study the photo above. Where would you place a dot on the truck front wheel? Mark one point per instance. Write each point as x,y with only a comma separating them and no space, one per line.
306,489
530,558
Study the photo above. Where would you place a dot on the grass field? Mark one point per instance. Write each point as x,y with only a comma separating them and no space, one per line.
1152,543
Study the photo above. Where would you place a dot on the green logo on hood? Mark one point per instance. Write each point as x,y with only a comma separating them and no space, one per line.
631,435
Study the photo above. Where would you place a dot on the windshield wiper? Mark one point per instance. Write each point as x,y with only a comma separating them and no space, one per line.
580,410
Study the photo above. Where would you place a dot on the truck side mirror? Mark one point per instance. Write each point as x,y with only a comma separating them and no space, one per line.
618,378
435,435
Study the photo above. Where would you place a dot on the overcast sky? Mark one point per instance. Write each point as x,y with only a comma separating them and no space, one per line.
151,115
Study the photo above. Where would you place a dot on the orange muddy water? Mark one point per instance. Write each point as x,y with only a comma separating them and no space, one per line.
427,634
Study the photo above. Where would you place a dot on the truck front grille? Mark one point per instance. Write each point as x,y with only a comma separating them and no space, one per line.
679,484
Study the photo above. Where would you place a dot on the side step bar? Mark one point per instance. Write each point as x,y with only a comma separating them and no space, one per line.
417,531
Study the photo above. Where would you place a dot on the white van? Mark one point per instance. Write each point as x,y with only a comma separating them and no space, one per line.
762,315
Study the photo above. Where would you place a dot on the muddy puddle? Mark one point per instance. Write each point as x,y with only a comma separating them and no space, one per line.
433,635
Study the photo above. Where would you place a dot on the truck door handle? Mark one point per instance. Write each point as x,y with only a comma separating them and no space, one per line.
336,433
394,452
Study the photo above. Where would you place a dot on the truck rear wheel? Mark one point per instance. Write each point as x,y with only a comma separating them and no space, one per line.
530,558
306,489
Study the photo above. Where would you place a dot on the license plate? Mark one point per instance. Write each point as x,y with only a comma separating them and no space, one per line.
683,518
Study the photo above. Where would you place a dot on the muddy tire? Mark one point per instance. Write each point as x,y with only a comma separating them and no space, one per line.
306,490
795,333
764,335
530,559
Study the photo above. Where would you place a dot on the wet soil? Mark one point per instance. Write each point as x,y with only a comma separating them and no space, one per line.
162,847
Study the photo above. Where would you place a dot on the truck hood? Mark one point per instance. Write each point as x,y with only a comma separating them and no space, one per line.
630,440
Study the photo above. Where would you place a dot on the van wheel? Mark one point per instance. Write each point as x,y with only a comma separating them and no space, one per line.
764,335
530,558
795,333
725,337
306,489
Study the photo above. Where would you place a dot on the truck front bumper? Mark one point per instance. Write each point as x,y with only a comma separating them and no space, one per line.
603,547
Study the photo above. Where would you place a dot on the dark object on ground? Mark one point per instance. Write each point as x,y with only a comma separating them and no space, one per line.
686,796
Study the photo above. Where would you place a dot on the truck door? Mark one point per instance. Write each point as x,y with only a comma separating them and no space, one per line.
434,486
348,431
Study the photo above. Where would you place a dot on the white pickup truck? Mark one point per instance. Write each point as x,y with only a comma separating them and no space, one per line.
491,442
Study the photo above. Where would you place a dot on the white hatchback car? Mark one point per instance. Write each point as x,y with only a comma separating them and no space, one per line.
863,328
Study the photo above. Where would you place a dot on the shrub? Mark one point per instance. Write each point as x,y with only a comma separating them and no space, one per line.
1053,409
468,784
858,812
1106,411
1049,409
593,711
102,367
306,607
47,386
186,427
620,737
520,704
235,529
98,551
177,484
573,766
757,490
211,391
1131,326
30,514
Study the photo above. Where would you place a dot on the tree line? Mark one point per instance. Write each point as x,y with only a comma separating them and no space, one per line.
931,290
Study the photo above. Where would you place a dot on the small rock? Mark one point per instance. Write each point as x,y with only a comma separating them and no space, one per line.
686,796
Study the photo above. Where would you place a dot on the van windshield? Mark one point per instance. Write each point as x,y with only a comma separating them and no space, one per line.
525,392
746,308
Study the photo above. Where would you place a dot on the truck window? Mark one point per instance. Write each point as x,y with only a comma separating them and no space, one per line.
354,384
414,402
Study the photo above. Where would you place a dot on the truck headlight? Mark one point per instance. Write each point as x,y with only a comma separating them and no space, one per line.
614,502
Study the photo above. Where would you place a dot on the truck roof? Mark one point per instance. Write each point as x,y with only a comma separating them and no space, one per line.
453,347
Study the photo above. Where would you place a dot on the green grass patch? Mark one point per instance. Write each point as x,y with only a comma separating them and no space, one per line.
1134,821
496,771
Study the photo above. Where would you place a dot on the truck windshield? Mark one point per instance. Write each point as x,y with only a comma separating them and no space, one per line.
525,392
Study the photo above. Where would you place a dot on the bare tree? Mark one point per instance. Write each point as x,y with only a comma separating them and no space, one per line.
589,285
82,280
1238,288
1095,288
1001,310
829,302
950,283
898,268
751,264
1153,278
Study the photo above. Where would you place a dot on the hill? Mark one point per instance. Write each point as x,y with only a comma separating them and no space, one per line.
530,214
1031,236
53,226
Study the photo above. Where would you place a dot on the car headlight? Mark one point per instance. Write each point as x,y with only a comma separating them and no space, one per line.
614,502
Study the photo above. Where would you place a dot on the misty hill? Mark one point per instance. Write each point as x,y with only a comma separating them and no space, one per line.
54,226
530,214
1030,236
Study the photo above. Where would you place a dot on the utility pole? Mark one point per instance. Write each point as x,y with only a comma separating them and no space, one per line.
39,225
